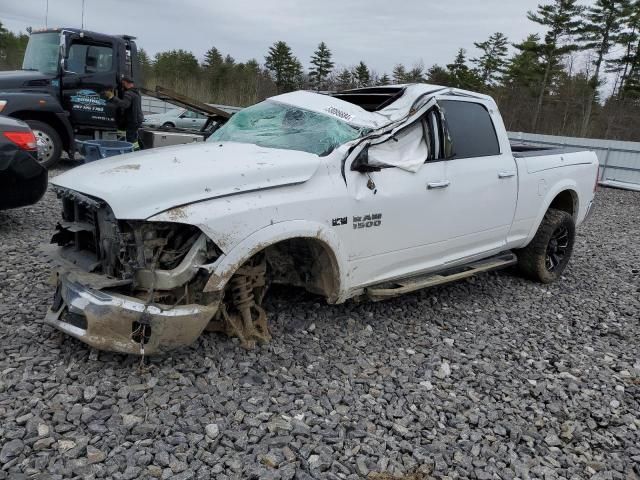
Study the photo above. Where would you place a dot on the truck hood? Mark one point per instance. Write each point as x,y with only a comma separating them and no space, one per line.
139,185
23,79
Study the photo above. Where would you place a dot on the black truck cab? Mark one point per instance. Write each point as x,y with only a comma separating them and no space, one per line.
60,90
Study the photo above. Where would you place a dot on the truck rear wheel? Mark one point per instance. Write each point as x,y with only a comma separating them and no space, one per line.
548,254
49,143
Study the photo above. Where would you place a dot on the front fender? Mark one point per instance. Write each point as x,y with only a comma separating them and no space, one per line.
224,268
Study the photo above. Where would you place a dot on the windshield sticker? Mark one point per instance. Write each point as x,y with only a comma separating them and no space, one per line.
347,117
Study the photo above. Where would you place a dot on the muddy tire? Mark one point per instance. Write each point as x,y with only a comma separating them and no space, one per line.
548,254
48,141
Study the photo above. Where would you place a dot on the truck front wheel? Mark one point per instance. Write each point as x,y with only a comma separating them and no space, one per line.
49,143
548,254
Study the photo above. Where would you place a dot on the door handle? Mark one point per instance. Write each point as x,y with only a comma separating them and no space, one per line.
435,185
506,174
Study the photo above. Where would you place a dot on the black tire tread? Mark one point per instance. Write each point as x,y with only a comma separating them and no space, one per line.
532,257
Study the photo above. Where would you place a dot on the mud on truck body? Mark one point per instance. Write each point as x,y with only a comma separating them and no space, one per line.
368,193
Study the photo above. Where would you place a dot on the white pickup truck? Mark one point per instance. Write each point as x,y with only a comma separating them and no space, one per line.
367,193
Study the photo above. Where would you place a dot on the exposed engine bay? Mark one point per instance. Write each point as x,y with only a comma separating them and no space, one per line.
159,264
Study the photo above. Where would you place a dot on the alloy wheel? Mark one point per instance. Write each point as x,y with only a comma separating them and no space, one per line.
557,248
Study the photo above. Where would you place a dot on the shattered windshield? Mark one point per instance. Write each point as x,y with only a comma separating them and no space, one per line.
275,125
42,53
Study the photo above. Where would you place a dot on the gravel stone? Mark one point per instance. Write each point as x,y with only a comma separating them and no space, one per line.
444,371
94,455
11,449
212,430
90,393
491,377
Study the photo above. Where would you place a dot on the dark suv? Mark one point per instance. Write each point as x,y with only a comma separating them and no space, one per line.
23,180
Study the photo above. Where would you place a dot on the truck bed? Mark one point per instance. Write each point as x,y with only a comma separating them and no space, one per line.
536,158
524,150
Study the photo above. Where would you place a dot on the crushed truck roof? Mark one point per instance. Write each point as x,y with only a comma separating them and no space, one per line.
371,107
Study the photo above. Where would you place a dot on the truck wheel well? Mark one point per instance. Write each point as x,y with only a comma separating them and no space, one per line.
48,118
567,201
304,262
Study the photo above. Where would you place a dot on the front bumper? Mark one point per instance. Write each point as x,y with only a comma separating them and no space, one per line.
110,321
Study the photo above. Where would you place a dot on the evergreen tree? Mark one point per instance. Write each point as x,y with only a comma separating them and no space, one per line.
492,63
416,74
362,75
384,80
626,65
600,32
525,70
294,75
461,76
562,20
212,59
283,65
399,74
438,75
322,66
174,66
12,48
344,80
146,67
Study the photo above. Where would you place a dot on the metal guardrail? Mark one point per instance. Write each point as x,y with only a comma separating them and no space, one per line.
619,161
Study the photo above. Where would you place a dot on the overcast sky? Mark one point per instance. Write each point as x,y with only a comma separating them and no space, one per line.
380,32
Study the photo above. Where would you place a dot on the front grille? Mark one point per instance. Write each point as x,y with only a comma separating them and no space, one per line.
92,238
89,235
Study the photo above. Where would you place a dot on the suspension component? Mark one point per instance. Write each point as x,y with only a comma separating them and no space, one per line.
240,314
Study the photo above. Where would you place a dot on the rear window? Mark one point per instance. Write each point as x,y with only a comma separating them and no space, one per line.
471,128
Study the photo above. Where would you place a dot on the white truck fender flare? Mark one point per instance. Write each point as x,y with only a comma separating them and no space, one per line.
226,265
551,194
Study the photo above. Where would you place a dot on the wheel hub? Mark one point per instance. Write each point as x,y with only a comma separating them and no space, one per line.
557,248
44,145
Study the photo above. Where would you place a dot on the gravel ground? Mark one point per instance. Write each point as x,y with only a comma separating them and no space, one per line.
493,377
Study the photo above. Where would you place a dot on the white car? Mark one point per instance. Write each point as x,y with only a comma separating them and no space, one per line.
369,193
175,118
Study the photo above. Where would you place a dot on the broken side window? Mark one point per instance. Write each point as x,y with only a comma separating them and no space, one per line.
408,149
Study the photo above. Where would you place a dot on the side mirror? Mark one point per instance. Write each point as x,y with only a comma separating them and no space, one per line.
361,163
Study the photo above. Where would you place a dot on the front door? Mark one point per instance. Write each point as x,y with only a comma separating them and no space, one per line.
90,70
394,226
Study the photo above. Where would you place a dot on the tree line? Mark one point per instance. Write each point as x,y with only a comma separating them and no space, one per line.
580,78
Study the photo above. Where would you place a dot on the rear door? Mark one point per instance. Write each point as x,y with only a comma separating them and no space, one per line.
90,70
482,181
